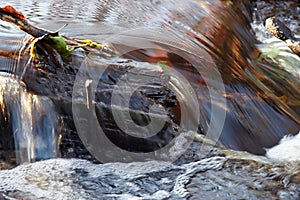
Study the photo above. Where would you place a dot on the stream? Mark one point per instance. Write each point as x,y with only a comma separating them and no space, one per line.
188,111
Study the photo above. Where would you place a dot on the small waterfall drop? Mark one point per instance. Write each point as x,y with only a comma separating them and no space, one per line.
31,119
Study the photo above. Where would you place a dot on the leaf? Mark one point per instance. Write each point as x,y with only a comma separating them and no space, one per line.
60,45
13,12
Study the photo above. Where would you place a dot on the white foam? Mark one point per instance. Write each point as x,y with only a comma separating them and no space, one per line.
288,149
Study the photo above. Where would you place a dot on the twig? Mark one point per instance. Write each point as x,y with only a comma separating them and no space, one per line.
9,14
282,32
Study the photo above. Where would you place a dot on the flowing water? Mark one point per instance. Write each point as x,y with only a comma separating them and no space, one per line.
257,105
31,119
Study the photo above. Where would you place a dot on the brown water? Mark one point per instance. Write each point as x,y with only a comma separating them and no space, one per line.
246,80
261,97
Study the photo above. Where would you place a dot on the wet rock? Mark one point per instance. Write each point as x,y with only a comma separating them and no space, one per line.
288,11
194,175
80,179
282,32
217,176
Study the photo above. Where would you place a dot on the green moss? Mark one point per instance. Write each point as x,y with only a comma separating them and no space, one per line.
164,63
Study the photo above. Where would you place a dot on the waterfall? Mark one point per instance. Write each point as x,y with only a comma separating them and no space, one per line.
31,119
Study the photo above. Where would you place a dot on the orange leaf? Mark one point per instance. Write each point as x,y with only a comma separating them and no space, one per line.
13,12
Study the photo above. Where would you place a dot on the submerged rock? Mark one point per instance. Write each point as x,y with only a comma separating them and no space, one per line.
80,179
217,176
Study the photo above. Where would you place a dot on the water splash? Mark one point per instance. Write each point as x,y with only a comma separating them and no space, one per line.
287,150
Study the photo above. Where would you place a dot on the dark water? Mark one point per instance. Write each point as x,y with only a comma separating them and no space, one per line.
256,106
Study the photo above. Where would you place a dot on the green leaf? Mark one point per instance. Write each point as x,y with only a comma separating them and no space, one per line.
60,45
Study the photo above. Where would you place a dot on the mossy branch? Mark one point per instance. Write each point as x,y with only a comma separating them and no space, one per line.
62,44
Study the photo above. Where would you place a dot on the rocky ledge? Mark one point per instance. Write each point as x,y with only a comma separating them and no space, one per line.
235,175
